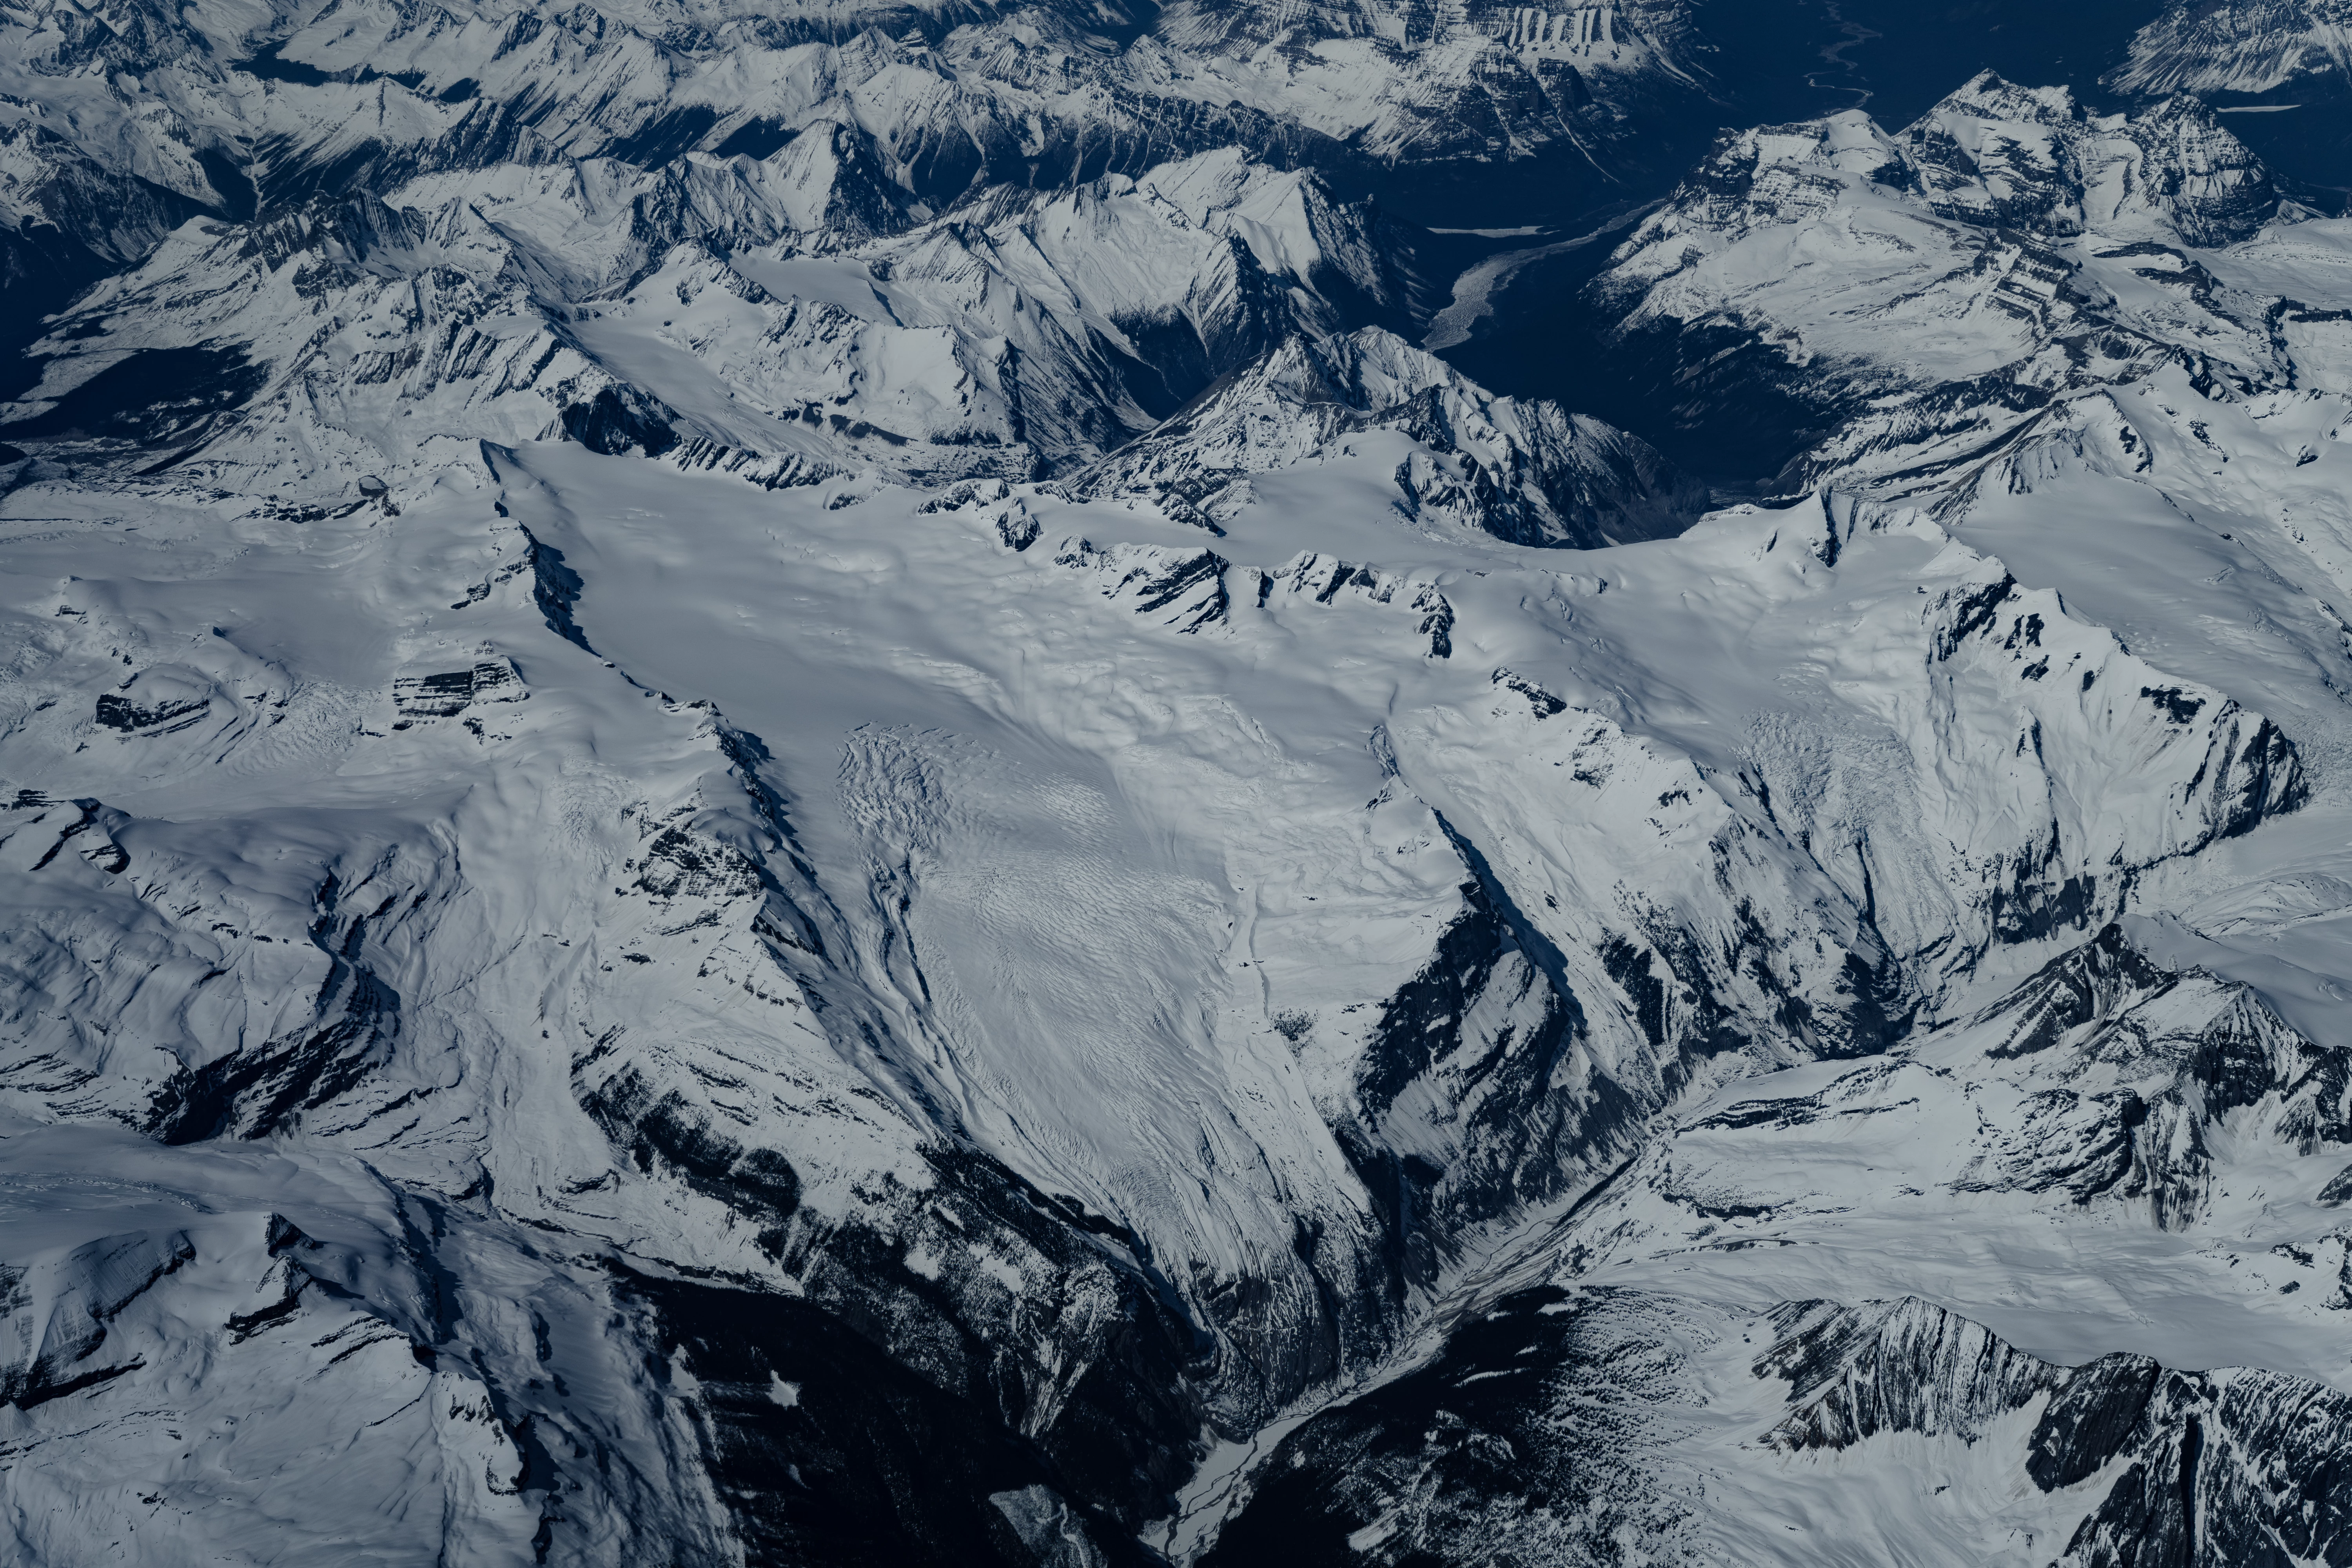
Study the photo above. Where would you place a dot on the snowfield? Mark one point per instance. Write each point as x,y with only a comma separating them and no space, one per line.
723,854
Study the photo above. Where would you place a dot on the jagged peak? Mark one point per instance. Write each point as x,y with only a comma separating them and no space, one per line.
1523,470
1368,369
1989,95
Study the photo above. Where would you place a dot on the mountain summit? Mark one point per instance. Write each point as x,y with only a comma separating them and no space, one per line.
777,787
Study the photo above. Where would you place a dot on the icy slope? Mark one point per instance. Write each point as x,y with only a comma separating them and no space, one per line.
287,973
2245,45
1526,472
227,105
220,1331
718,313
1089,1035
1918,294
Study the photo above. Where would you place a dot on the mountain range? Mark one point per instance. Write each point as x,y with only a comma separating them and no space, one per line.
829,784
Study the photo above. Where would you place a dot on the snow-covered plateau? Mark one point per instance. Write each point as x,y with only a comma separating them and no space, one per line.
776,786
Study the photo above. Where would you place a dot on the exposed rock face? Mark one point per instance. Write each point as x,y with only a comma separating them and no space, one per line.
2207,185
1526,472
623,311
1547,1429
2236,46
1926,292
778,789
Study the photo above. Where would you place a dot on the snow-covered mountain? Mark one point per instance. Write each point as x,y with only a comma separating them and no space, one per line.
2238,46
749,314
1567,1423
221,109
1528,472
561,956
1902,298
776,788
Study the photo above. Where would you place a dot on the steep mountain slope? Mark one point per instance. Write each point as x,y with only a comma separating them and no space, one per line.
1530,473
2240,47
776,788
1927,291
628,310
276,103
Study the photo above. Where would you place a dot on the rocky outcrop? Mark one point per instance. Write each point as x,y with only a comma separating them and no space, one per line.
1933,289
623,310
2236,46
1540,1429
2237,1465
1528,472
2138,1071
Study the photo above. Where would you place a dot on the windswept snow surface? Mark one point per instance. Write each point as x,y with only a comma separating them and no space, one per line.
2241,46
726,847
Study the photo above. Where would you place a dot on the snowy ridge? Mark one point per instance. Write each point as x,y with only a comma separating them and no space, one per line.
778,789
628,311
124,1311
280,103
1529,473
1640,1412
1938,287
2239,46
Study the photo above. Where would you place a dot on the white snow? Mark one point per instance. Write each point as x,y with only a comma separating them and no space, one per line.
385,976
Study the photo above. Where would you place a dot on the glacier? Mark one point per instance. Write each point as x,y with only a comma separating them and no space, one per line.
801,785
